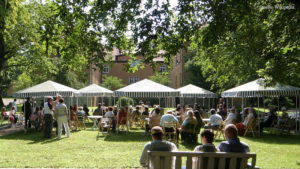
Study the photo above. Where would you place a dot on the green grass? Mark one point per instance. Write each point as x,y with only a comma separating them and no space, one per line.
84,149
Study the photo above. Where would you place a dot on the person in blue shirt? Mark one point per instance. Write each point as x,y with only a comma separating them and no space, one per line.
233,143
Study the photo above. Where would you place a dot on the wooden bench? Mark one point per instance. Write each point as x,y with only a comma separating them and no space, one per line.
168,160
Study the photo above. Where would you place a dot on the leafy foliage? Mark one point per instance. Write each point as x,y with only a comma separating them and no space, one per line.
124,102
160,78
112,83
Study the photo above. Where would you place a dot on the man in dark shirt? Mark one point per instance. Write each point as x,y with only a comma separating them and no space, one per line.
233,143
27,109
269,121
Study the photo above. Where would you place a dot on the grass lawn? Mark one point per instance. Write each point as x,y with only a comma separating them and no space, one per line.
85,150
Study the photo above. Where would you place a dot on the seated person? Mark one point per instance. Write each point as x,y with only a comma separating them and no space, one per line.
154,120
200,122
35,118
215,120
222,111
122,115
86,110
188,128
146,112
233,143
14,114
283,119
98,111
169,118
238,116
269,121
207,138
7,116
157,144
242,126
110,114
80,114
231,117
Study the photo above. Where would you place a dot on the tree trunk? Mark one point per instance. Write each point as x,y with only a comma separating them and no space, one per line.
1,102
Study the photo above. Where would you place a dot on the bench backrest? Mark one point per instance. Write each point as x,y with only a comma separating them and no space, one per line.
220,160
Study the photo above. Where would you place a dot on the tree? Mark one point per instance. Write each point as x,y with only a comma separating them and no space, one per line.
112,83
160,78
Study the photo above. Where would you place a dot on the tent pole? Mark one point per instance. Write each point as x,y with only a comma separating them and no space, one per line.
203,102
208,103
278,103
232,102
159,101
242,103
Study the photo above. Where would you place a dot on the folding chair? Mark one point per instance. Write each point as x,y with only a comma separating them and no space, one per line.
80,121
123,123
104,126
220,130
251,126
171,133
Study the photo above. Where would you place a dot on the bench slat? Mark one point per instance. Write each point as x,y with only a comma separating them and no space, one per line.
243,163
178,162
156,162
221,163
210,162
167,162
232,163
189,163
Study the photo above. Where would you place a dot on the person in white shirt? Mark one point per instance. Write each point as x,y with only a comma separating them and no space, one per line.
170,118
231,117
14,104
110,114
215,120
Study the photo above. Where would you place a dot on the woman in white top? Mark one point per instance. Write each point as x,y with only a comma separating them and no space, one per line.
242,126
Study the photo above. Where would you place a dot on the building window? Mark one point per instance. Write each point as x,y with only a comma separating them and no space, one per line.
163,68
134,63
105,69
133,79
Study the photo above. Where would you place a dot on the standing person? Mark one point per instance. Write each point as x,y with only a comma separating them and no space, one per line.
27,109
61,112
157,144
14,104
48,117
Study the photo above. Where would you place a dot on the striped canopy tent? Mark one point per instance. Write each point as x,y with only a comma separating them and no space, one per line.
195,91
147,89
256,88
95,90
48,88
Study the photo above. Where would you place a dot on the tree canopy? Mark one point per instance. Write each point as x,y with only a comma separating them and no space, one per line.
235,41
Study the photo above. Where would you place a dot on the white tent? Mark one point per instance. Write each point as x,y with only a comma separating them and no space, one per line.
147,88
95,90
48,88
256,88
195,91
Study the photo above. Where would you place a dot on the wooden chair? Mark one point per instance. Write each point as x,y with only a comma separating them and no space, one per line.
104,126
80,121
220,130
168,160
123,123
172,133
252,125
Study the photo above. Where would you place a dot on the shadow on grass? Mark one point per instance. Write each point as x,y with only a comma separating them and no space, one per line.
134,136
276,139
33,136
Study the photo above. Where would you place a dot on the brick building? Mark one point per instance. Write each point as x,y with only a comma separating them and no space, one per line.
117,69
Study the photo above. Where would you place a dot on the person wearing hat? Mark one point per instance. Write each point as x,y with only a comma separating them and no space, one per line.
48,118
157,144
